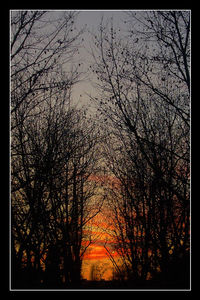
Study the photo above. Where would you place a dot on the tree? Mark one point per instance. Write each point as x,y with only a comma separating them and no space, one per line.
72,194
42,47
144,96
58,196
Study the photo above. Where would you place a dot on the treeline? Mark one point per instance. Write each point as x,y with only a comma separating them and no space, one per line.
53,153
143,77
141,136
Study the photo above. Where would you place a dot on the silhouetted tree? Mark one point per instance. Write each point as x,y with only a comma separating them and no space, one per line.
71,199
144,98
42,46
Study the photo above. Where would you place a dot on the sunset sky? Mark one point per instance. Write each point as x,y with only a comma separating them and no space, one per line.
99,229
96,254
100,152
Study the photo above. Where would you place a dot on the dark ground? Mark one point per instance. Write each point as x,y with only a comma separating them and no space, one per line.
86,284
176,276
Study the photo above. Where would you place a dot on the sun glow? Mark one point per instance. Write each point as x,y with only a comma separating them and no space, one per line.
96,255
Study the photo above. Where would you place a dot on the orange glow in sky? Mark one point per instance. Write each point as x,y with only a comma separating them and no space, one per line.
99,229
96,254
97,257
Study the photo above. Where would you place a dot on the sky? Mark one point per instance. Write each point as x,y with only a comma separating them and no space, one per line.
101,235
96,254
90,20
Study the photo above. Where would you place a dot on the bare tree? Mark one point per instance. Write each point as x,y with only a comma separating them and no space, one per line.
72,198
42,45
144,98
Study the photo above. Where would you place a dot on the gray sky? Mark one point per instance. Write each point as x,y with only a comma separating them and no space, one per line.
91,20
